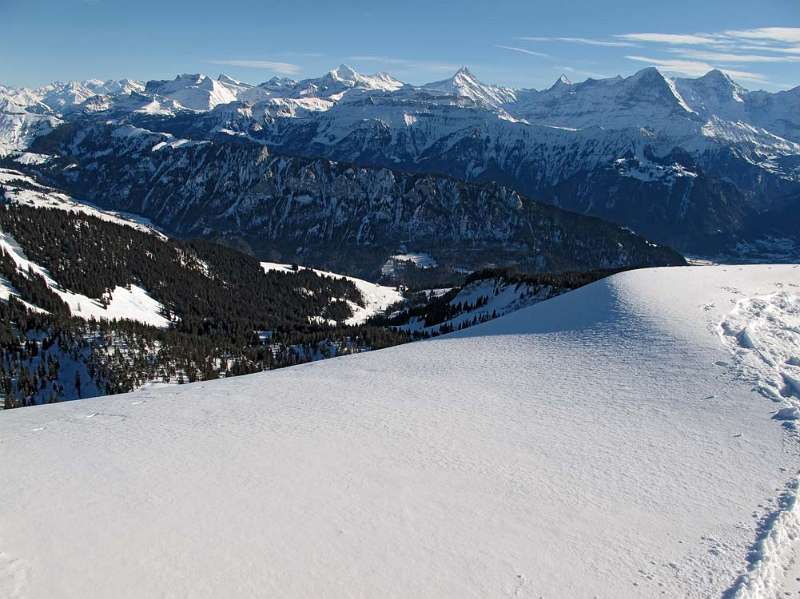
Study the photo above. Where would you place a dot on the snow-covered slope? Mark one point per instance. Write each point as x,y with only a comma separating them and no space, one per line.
131,302
21,189
482,300
607,442
19,128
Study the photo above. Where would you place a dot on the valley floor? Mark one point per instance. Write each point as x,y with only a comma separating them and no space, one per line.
616,441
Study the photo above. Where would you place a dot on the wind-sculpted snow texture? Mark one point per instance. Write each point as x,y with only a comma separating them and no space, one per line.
607,442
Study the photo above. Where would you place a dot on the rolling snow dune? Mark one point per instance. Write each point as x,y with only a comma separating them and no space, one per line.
610,442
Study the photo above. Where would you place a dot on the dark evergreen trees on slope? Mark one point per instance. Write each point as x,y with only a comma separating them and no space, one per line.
228,316
211,289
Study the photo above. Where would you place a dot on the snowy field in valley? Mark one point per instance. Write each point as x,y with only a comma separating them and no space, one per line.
617,441
376,297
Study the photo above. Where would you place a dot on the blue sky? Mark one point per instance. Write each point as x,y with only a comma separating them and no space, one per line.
521,43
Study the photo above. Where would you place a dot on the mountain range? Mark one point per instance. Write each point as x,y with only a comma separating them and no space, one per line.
318,212
700,164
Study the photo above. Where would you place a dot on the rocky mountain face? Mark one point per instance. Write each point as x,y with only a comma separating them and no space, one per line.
334,215
94,304
693,163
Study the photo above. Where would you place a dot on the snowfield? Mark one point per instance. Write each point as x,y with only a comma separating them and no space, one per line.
615,441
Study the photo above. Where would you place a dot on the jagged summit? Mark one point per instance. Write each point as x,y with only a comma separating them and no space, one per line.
718,77
651,74
722,84
345,72
194,91
561,83
225,79
465,84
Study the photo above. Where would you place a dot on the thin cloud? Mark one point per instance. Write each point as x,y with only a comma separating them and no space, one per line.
523,51
670,38
284,68
768,48
302,54
724,57
693,68
789,35
581,72
406,63
578,40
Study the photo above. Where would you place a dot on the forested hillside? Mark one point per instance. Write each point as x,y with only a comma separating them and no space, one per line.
222,314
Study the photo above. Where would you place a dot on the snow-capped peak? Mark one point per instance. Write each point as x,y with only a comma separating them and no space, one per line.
464,84
714,94
193,91
722,84
561,82
342,79
648,74
223,78
345,73
464,73
650,86
226,80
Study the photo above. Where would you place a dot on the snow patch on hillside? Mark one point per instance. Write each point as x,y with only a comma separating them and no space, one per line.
417,259
483,300
24,190
29,158
377,298
132,303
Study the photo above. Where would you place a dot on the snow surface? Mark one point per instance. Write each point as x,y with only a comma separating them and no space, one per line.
134,304
599,444
376,297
